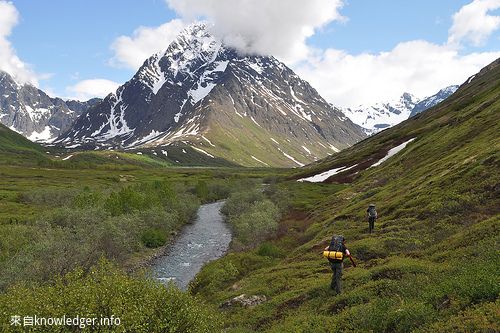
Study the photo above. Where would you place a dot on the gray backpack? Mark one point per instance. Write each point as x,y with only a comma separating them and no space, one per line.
372,212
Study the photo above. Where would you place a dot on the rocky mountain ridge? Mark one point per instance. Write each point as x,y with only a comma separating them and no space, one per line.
32,113
382,115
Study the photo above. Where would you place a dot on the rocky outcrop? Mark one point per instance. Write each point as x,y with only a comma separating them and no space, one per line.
244,301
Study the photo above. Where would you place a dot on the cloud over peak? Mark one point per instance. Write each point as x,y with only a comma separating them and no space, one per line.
131,52
267,27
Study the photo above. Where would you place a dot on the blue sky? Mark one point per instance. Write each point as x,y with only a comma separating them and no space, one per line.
67,42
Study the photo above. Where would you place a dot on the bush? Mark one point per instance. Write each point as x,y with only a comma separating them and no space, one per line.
126,201
202,191
142,305
88,198
186,207
88,224
72,218
153,238
53,197
259,222
270,250
239,202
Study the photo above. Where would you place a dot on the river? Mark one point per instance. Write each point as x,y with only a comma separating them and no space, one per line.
206,239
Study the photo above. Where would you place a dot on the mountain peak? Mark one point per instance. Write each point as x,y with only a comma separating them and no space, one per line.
31,112
374,118
209,96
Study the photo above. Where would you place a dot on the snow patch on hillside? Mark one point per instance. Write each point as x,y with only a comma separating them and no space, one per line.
392,152
325,175
255,158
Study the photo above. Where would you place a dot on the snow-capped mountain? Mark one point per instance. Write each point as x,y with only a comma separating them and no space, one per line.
382,115
31,112
248,109
429,102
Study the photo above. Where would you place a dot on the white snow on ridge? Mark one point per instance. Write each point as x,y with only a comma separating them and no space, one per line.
392,152
45,135
307,150
67,158
255,158
203,152
293,159
335,149
203,88
256,67
116,121
325,175
209,142
471,78
178,115
256,123
160,79
154,134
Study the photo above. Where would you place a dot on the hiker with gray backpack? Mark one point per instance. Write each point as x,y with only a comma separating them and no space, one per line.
335,253
371,214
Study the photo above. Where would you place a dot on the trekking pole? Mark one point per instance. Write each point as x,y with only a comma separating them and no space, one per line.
352,260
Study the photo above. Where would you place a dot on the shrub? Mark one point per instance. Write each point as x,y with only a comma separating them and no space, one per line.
219,190
126,201
201,190
153,238
142,305
239,202
53,197
186,207
270,250
259,222
88,198
158,218
79,217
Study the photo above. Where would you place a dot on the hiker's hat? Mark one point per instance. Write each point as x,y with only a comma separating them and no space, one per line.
371,205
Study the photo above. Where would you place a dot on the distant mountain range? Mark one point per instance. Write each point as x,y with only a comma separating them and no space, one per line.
32,113
250,110
375,118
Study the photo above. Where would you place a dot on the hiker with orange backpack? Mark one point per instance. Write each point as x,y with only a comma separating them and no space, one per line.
335,253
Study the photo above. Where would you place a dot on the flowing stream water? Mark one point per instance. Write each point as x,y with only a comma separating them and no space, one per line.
206,239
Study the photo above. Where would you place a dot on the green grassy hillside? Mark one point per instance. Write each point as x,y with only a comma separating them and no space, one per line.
432,263
16,149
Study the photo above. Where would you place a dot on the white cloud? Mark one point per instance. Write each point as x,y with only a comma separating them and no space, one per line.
87,89
418,67
281,28
270,27
473,24
9,61
131,52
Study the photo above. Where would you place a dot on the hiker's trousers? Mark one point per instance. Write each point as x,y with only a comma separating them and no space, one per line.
371,223
337,276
